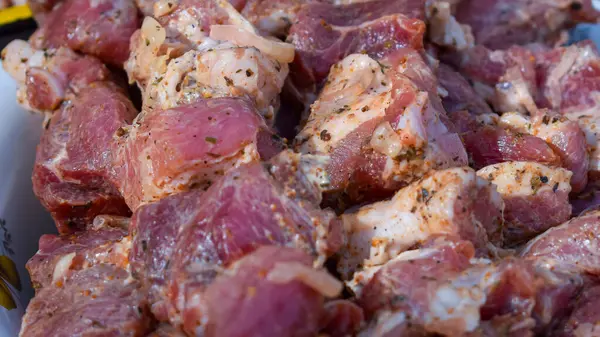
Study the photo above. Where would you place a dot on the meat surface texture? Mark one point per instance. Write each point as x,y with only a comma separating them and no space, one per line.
170,151
381,124
329,168
73,173
211,230
99,28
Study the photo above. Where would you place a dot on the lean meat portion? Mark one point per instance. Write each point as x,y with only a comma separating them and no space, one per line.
46,78
536,197
325,33
73,175
60,256
249,207
382,124
574,244
86,287
169,151
99,28
499,24
451,202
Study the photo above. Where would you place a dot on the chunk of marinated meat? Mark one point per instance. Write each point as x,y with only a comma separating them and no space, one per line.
225,70
441,289
505,78
381,125
493,144
564,136
500,24
273,291
571,78
246,209
325,33
573,244
585,318
459,93
59,257
73,172
536,197
99,301
101,28
45,78
170,151
233,61
449,202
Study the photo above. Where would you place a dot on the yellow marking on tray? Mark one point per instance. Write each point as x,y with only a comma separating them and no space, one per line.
14,13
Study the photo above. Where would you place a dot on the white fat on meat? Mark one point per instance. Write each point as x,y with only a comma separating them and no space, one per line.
225,70
381,231
445,30
526,178
357,90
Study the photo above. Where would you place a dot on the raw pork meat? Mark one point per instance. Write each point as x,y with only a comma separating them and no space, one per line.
73,175
536,197
173,150
382,125
101,28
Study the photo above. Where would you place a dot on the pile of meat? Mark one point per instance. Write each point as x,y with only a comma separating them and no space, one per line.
314,168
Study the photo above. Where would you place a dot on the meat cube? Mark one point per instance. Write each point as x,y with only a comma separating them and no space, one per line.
564,136
449,202
99,301
170,151
324,34
46,78
441,289
573,245
73,173
84,287
273,291
536,197
59,257
99,28
242,211
381,125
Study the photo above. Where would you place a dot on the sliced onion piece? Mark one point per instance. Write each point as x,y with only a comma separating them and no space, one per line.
280,51
153,32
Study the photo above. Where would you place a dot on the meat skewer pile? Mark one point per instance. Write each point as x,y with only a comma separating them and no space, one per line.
436,184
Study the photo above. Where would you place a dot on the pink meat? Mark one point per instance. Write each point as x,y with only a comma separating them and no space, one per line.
490,145
188,146
584,319
242,211
73,169
461,95
99,301
286,309
500,24
65,72
573,244
90,247
323,34
100,28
